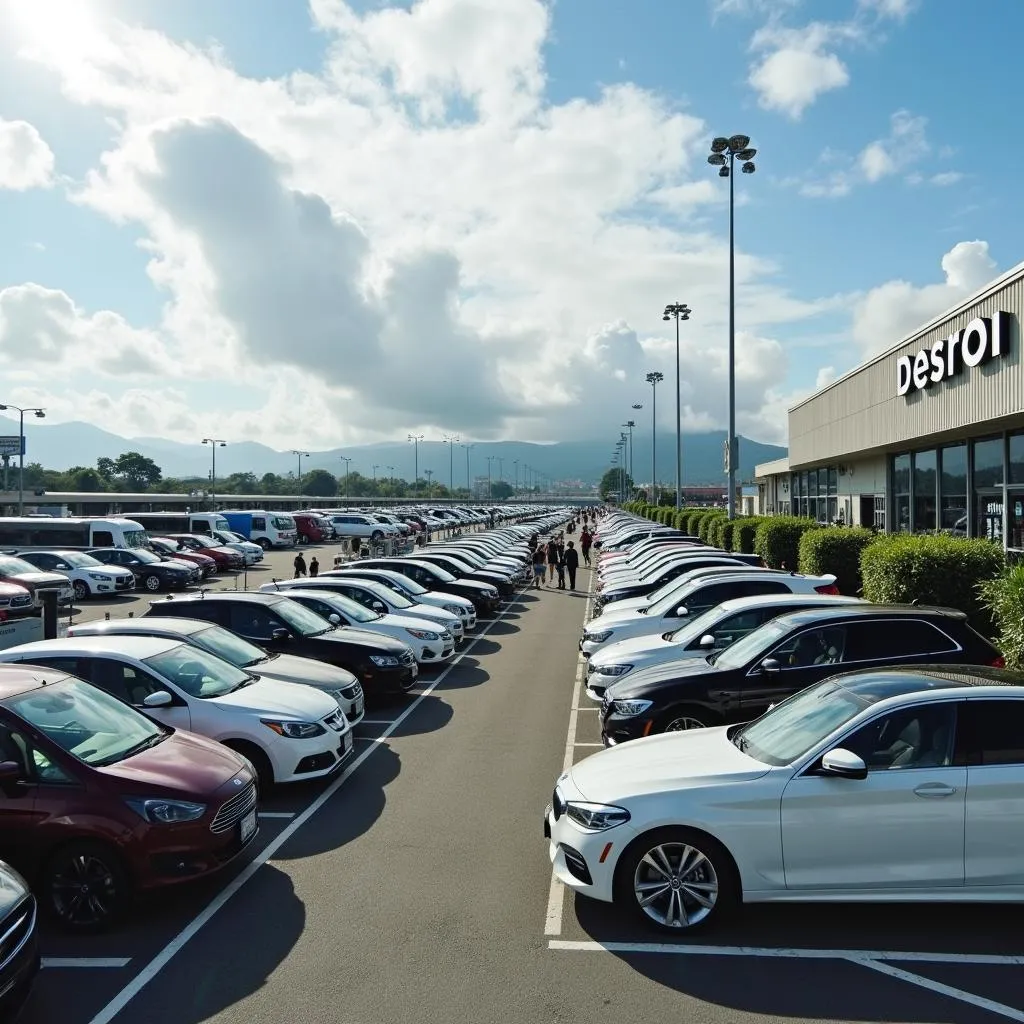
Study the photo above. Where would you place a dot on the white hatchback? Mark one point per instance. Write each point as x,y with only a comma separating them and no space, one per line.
289,732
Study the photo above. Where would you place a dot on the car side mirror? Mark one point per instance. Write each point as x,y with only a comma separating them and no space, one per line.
335,618
682,611
159,699
280,634
10,772
770,665
707,640
844,764
378,607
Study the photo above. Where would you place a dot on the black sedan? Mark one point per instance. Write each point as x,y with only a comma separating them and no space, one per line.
463,570
19,942
485,597
152,572
779,658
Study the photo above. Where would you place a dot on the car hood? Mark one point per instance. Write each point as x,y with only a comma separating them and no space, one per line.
401,621
38,579
184,765
657,678
110,570
624,650
429,611
171,563
293,669
663,763
453,599
612,618
364,638
287,700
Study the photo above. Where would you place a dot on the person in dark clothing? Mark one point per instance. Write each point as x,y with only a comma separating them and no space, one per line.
571,562
300,565
586,540
560,564
539,558
552,553
314,567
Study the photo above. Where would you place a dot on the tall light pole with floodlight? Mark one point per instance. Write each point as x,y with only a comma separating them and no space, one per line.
451,440
391,476
39,414
637,406
654,378
678,311
629,454
214,443
346,459
429,474
469,478
724,154
298,479
416,438
490,490
376,466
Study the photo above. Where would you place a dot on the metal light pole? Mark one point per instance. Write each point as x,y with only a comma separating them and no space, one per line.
416,438
346,459
629,454
501,468
429,474
637,406
451,440
678,311
469,478
39,414
375,468
214,443
515,462
724,154
624,468
654,378
391,475
298,479
490,491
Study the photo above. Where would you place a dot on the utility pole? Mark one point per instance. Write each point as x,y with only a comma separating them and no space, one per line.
346,460
490,489
214,443
298,479
469,478
416,438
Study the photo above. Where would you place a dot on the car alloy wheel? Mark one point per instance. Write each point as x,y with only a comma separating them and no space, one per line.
81,589
682,722
85,887
151,582
676,885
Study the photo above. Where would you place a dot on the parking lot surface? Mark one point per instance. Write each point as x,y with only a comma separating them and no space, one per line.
417,887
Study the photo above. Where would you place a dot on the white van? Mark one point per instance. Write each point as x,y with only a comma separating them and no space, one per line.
160,523
268,529
25,533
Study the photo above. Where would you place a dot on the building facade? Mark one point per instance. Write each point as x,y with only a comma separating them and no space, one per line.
927,436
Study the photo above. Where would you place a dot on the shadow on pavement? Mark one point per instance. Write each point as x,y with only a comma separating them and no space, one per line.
467,673
483,646
502,628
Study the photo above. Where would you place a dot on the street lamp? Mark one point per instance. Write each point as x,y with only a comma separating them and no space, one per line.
450,440
637,406
469,478
678,311
416,438
375,468
515,462
724,154
490,490
214,443
501,470
298,480
429,474
629,458
39,414
654,378
346,459
391,475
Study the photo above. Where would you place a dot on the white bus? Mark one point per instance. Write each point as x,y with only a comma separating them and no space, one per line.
159,523
23,533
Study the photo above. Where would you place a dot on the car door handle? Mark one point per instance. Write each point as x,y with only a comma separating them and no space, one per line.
723,694
934,789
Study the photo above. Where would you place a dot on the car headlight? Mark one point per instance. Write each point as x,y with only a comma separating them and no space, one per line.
166,812
612,670
492,593
597,638
102,577
452,609
294,730
423,634
595,817
384,660
630,708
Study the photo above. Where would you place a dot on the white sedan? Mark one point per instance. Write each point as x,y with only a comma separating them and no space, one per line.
892,785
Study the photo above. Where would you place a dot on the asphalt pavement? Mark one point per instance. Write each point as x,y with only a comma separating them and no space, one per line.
417,887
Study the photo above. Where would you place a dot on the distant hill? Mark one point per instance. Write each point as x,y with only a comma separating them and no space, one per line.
62,445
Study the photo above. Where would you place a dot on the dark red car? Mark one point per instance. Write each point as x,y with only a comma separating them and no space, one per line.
167,548
225,557
98,801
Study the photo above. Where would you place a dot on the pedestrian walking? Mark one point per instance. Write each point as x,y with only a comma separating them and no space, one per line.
314,567
300,565
539,559
560,564
571,562
586,540
552,553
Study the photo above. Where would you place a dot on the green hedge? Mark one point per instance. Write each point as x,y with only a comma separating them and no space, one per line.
777,540
744,531
706,522
836,550
723,534
1003,598
932,569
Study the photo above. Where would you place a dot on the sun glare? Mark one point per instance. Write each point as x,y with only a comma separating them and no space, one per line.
53,27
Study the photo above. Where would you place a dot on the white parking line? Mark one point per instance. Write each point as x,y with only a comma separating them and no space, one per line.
277,814
203,918
578,744
376,721
874,959
556,891
84,961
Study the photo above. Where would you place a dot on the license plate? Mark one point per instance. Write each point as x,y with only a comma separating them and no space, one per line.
248,826
346,743
358,710
415,670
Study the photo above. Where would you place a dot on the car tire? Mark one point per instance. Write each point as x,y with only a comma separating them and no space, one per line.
696,870
264,543
81,589
258,759
85,869
681,719
151,582
377,536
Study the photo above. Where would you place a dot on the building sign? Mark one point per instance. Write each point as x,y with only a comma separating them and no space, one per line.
11,445
984,338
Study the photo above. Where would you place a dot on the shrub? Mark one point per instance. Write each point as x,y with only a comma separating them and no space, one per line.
1003,599
706,523
777,540
691,519
932,569
714,531
743,534
836,549
725,533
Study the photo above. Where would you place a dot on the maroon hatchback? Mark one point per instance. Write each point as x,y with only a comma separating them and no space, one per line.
97,801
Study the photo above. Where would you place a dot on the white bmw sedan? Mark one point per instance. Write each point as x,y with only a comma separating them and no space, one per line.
893,785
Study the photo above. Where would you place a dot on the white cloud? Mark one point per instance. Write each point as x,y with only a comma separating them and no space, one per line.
888,313
26,161
905,145
898,10
946,178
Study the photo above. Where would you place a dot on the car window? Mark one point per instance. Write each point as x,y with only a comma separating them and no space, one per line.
259,523
917,737
102,538
68,665
119,679
992,732
35,764
895,638
252,620
823,645
730,629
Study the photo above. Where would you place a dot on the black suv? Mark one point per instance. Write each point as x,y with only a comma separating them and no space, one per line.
786,654
383,665
151,571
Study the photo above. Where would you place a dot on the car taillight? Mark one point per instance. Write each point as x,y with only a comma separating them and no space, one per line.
831,588
999,662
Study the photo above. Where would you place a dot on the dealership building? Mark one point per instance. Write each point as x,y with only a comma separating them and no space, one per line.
927,436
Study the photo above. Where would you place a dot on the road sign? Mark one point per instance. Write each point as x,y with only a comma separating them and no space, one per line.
11,445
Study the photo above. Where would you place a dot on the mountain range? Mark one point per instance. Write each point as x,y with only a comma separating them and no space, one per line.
63,445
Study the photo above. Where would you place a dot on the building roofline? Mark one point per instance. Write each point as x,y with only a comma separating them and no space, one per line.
986,290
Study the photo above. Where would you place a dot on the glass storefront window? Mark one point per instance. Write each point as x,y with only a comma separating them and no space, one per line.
812,483
987,489
901,493
953,490
988,462
833,481
1016,459
924,491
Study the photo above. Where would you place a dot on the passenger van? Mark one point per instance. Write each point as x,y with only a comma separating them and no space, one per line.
23,533
159,524
268,529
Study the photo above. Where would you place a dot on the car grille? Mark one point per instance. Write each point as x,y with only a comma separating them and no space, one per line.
17,928
124,582
336,721
407,658
350,692
606,703
22,601
235,809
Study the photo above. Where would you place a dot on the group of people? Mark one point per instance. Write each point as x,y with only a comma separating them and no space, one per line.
301,568
559,557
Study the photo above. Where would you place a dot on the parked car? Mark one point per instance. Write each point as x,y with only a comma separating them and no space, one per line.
289,733
19,941
35,581
890,784
252,553
460,606
89,577
462,570
225,557
339,683
15,601
485,597
383,666
786,654
118,802
151,571
356,524
164,547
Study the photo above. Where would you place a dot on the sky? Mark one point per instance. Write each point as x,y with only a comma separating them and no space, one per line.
327,223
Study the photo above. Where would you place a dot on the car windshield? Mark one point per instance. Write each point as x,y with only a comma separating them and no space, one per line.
799,724
406,586
230,538
672,600
79,560
135,538
384,593
757,642
443,575
146,556
229,646
86,722
696,628
301,619
11,566
346,606
199,673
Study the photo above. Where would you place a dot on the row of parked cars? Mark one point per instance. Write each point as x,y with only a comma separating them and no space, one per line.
771,740
133,751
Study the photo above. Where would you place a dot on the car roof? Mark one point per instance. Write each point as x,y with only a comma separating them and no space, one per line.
218,595
138,647
144,627
883,683
739,604
18,679
867,610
